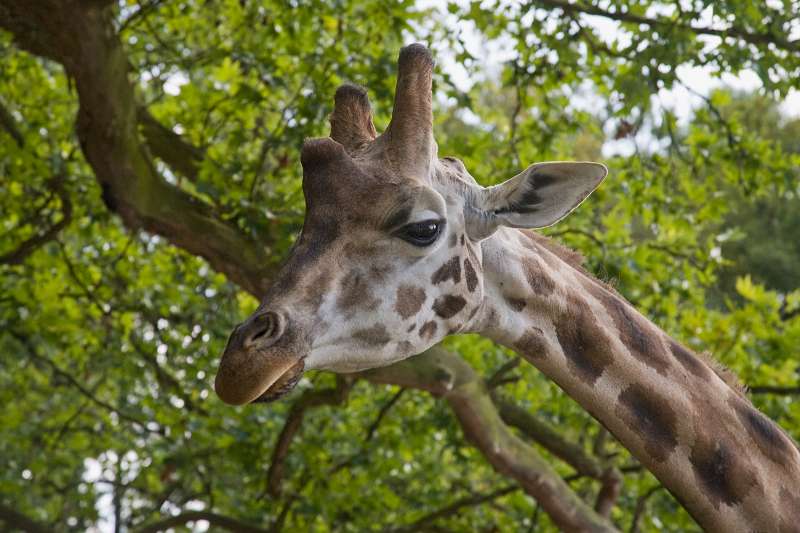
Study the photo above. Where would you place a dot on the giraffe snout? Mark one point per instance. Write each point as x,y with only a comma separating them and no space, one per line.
263,360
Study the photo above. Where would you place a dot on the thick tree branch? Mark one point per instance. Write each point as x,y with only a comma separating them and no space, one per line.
545,435
81,37
448,376
761,39
168,146
216,520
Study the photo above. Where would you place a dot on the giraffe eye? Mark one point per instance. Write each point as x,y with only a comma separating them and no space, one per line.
421,233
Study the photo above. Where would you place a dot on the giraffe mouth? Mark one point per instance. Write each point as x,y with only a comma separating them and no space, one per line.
284,384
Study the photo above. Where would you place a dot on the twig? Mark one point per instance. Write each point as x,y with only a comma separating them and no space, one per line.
640,508
498,377
774,389
609,492
28,246
453,508
77,384
626,16
546,436
9,124
385,409
224,522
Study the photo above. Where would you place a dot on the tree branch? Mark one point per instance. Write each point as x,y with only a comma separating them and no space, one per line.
72,380
641,505
9,124
164,378
499,376
309,400
214,519
382,413
609,492
545,435
761,39
170,147
454,508
774,389
448,376
81,37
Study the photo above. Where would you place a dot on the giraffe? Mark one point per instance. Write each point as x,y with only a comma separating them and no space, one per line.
401,248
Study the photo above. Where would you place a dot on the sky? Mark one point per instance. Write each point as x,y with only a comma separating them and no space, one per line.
681,100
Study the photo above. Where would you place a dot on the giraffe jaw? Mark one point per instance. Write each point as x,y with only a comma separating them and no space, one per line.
258,374
283,385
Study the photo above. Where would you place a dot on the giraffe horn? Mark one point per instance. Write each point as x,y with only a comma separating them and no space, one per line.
351,120
410,132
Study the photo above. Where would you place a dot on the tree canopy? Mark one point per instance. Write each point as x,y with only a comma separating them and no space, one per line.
150,186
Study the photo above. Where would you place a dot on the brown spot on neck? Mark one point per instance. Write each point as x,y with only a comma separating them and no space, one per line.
650,416
532,344
641,338
409,300
767,435
450,270
584,344
690,361
541,283
722,472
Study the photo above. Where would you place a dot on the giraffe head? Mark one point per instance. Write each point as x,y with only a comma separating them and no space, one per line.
389,261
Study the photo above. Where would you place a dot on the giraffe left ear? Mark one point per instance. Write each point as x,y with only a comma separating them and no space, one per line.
538,197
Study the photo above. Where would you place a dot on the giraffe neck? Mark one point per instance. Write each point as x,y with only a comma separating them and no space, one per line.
731,467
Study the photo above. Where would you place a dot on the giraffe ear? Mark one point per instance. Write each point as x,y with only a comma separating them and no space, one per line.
540,196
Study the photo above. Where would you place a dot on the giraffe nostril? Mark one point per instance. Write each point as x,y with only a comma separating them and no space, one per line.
262,329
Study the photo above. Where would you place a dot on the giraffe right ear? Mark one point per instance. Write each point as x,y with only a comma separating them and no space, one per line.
538,197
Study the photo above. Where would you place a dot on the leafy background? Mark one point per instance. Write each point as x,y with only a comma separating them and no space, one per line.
109,337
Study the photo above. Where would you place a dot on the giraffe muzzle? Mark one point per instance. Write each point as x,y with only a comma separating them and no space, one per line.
263,360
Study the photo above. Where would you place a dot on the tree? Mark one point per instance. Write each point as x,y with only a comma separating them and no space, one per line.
136,235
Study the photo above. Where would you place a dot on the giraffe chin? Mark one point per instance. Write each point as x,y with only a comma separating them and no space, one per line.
283,385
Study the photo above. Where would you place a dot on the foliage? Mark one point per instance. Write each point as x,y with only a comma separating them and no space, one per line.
109,337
